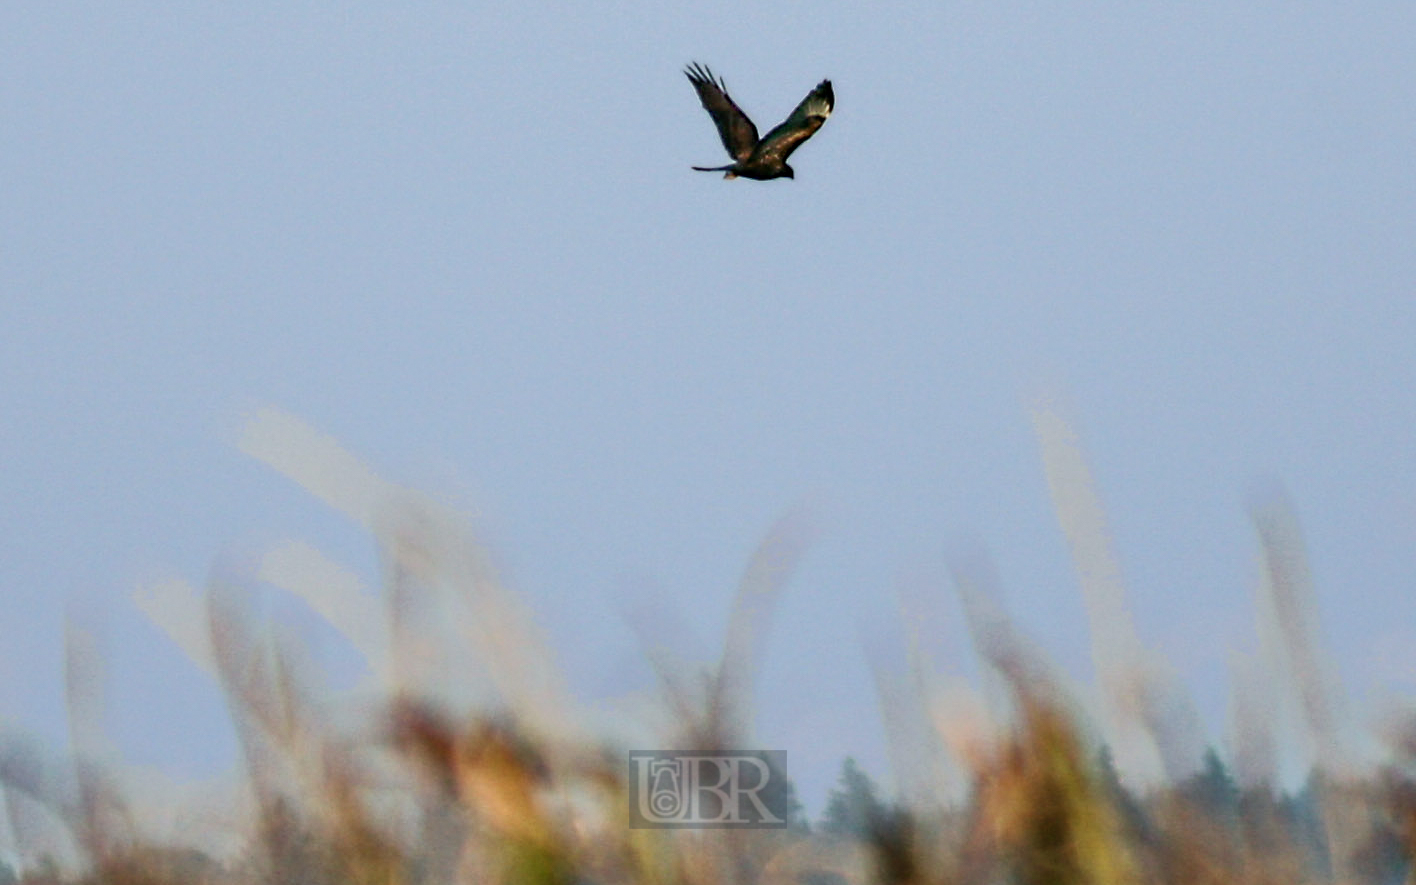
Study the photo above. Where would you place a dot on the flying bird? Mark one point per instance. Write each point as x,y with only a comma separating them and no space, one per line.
753,157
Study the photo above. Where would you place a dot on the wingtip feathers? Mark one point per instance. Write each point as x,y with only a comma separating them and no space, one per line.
697,72
700,74
821,101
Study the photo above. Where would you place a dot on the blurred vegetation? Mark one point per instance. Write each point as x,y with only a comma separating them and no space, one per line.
415,790
481,800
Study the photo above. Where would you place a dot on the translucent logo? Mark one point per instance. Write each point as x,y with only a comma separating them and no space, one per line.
743,789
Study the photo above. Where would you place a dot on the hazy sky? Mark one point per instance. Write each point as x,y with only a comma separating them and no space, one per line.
464,240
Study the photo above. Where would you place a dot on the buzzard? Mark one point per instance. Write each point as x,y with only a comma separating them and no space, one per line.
753,157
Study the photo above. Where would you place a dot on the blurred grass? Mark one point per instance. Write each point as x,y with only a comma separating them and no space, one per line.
423,789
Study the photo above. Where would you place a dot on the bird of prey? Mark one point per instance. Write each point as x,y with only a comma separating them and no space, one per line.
753,157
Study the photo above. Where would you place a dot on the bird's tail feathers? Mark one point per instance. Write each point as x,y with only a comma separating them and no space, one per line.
726,170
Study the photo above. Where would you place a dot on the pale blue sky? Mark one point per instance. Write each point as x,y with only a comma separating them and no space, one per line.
464,240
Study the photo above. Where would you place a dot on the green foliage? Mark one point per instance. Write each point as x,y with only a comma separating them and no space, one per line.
854,807
1212,788
797,821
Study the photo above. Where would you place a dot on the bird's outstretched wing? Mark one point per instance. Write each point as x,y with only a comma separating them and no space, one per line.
801,125
738,134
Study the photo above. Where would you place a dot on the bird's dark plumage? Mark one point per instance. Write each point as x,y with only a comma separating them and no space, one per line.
762,158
